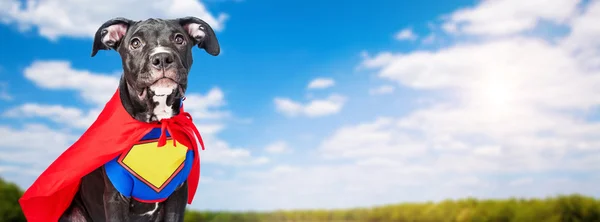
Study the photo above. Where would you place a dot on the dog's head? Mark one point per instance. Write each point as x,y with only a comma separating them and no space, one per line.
156,56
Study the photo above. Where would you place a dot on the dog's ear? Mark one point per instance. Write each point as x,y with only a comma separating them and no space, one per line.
110,33
201,33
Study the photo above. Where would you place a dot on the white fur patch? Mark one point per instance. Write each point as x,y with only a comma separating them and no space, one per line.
159,49
162,90
162,111
149,213
195,30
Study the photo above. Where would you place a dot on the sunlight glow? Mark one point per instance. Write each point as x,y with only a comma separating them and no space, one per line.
495,95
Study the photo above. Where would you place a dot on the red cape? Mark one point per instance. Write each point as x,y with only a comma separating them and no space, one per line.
113,132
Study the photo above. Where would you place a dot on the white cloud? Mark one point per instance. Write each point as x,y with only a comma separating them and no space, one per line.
96,88
521,181
429,39
209,128
584,38
346,186
406,34
4,95
32,145
288,106
56,18
507,107
207,106
381,90
375,139
503,17
510,106
219,151
286,187
467,181
512,103
35,137
278,147
496,73
488,151
208,112
315,108
70,116
321,83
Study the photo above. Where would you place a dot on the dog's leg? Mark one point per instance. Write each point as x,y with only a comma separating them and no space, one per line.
86,205
116,206
174,206
75,214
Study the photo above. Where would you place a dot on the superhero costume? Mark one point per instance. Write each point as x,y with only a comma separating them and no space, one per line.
112,135
149,173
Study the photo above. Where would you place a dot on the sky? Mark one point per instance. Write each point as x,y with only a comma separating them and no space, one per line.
317,104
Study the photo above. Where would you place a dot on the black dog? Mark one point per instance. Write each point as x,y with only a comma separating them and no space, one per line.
156,56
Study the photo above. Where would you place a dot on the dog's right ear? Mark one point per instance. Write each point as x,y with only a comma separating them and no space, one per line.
109,35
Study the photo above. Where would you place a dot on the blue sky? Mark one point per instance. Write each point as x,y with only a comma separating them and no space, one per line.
316,104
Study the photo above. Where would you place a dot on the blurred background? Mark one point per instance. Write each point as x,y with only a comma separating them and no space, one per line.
426,110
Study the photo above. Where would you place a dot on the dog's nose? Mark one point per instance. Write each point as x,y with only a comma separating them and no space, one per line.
162,60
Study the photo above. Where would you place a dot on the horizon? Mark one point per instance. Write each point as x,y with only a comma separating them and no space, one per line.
318,105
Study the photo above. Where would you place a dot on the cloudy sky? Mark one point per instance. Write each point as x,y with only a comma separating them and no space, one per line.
316,104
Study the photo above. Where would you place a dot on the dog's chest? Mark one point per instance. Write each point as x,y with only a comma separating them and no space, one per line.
149,173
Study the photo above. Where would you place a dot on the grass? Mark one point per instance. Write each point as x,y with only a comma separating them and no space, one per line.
565,208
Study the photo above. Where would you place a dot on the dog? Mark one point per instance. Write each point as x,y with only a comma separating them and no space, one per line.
156,57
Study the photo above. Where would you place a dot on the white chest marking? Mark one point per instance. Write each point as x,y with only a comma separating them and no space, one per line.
162,111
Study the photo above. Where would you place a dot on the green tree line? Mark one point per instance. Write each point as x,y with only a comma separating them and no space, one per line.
10,211
564,208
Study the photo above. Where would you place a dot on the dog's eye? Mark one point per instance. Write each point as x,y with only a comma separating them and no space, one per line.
179,39
135,43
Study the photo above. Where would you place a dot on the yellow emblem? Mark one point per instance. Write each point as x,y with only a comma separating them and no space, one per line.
155,166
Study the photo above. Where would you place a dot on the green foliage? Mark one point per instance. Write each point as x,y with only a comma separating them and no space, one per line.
567,208
9,202
571,208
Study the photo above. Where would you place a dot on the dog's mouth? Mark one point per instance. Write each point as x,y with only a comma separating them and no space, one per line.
162,87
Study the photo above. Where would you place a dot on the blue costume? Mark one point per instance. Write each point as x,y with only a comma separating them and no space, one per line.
149,173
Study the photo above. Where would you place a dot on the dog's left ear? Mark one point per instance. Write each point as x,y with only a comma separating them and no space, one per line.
110,33
201,33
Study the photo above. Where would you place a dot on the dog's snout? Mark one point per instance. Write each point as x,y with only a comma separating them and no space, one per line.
162,60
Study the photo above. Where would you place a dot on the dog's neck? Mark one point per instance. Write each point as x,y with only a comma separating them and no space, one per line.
151,109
